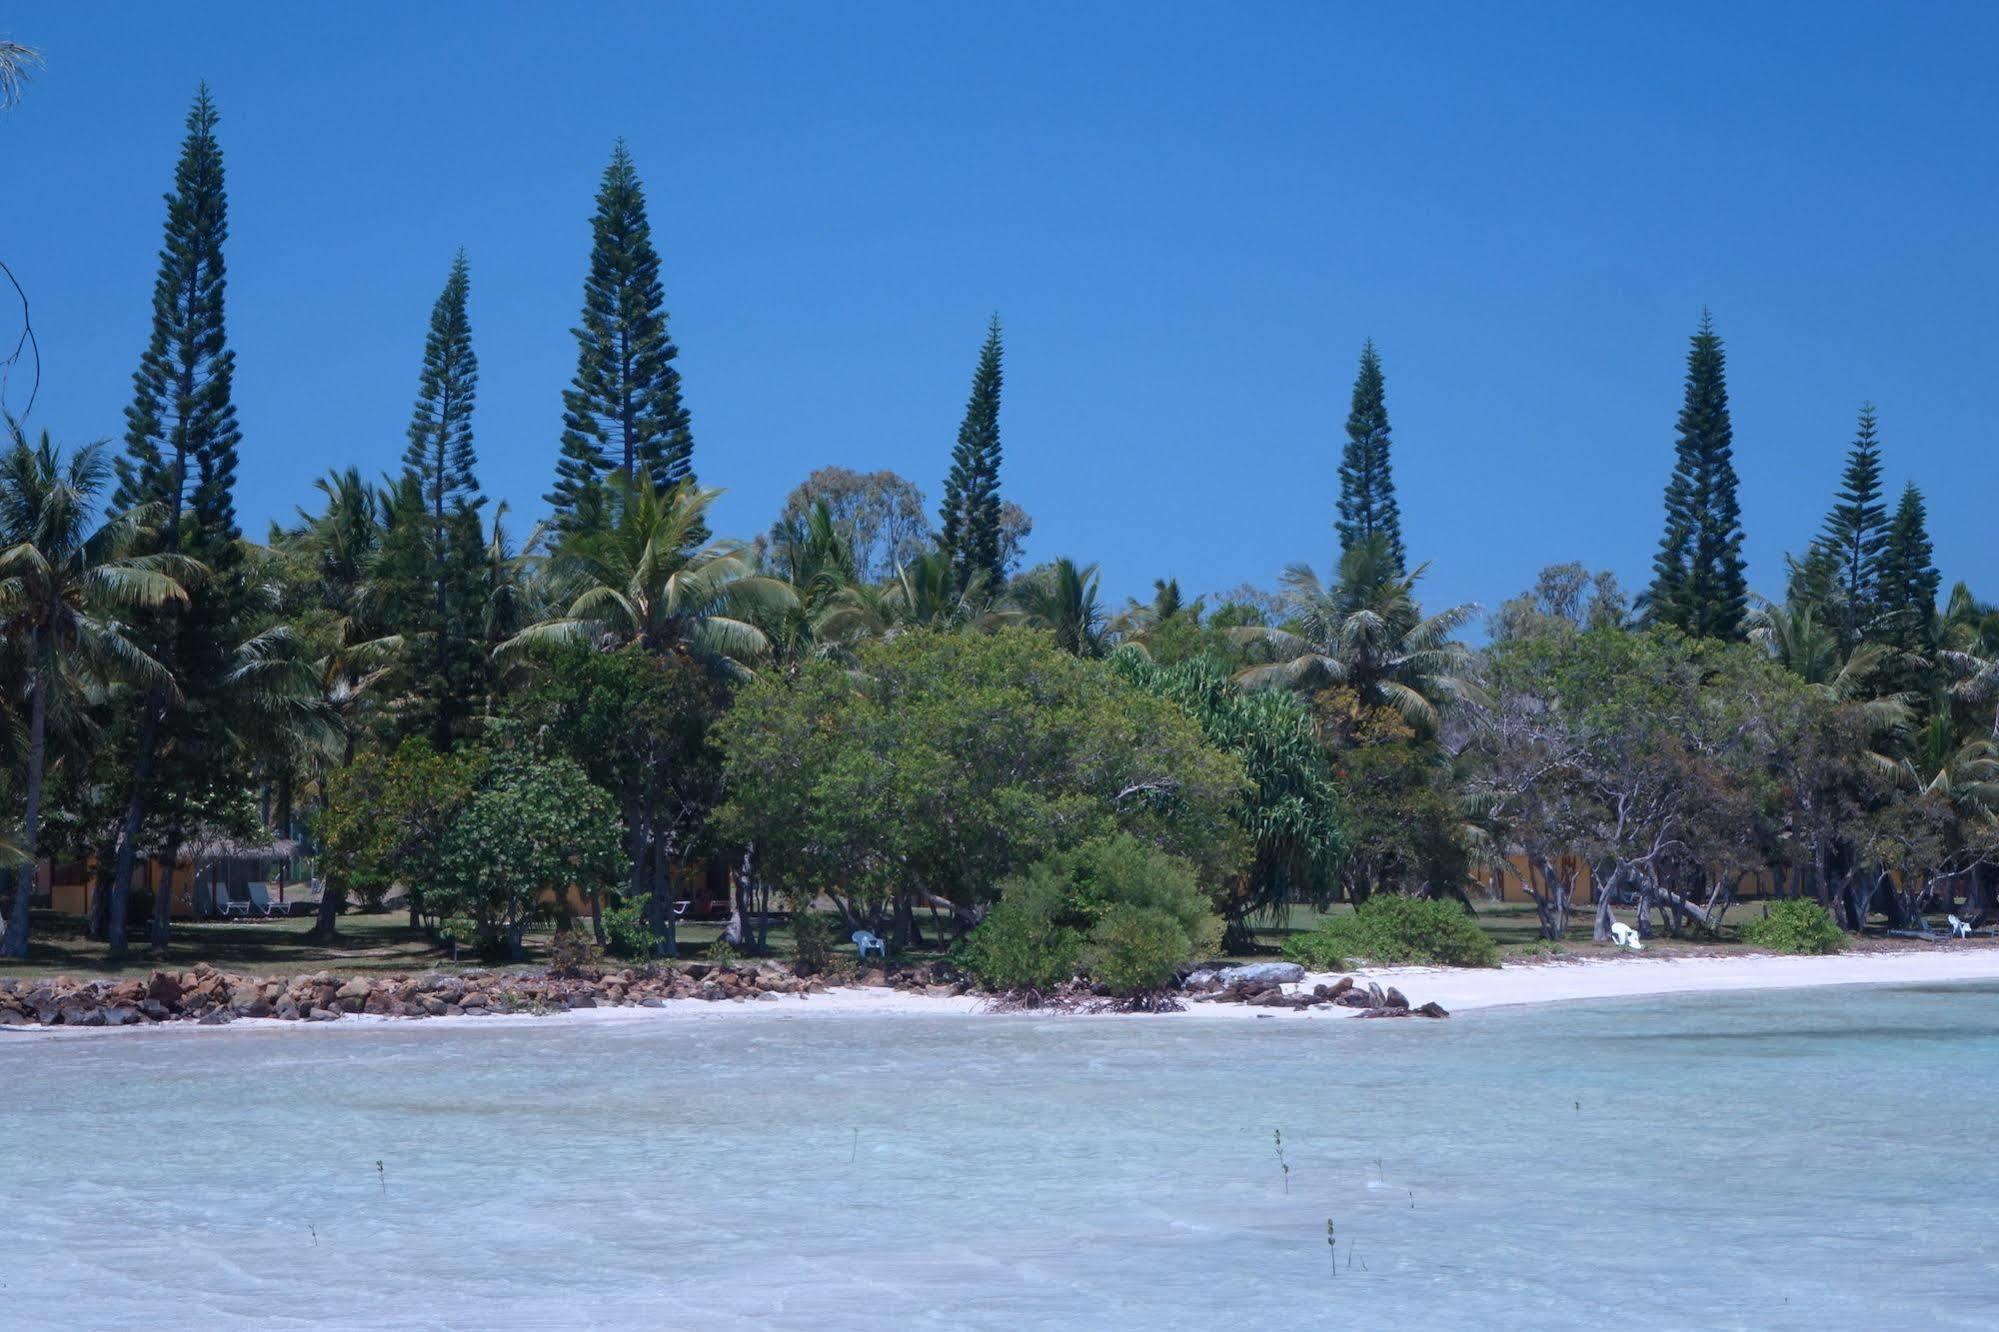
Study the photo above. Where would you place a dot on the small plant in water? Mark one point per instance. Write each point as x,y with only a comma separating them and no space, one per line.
1332,1248
1277,1137
382,1175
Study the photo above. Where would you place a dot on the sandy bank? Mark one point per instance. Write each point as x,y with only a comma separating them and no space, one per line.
1460,990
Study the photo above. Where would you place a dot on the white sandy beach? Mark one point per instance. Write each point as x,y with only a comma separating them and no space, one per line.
1458,989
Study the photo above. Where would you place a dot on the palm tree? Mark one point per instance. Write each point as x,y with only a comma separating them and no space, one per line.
62,582
1063,600
1136,624
1966,773
1792,636
1365,632
647,574
1968,640
16,60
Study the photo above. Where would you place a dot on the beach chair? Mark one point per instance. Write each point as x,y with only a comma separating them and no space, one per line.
1625,937
261,903
1959,929
234,902
864,943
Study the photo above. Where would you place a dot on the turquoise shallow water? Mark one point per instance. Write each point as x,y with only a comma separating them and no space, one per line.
1775,1160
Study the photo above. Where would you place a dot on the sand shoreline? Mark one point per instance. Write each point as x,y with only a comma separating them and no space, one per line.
1460,990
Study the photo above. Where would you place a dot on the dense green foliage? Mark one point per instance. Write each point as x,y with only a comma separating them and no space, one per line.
1795,925
1121,912
1396,931
947,762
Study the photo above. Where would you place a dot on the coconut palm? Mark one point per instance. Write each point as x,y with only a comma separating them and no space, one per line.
1793,637
646,573
1366,632
1965,772
16,61
63,582
1063,600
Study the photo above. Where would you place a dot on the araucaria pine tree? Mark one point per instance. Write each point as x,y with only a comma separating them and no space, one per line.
1909,579
180,457
440,451
623,410
440,466
969,519
1855,533
1698,581
1367,483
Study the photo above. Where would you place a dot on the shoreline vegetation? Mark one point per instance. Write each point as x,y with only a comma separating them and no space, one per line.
207,997
875,727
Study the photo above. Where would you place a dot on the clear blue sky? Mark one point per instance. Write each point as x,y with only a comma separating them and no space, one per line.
1188,217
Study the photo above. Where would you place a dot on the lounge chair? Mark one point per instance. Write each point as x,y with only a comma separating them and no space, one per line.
864,943
232,902
261,903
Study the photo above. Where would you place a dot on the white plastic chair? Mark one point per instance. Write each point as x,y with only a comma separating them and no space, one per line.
1959,929
864,942
1625,937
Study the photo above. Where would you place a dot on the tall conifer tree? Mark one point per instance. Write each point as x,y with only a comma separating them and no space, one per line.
1699,583
440,451
1367,482
623,409
1855,533
969,518
441,471
1909,579
180,455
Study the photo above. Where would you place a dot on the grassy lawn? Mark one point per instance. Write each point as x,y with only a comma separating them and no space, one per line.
384,943
369,944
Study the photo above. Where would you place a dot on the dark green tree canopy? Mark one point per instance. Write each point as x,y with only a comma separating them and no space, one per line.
1909,578
969,519
1367,484
623,410
1699,585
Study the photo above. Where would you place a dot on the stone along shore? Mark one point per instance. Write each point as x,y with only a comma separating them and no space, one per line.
213,997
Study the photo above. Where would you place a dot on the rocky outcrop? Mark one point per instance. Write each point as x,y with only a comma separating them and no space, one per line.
213,997
1373,1001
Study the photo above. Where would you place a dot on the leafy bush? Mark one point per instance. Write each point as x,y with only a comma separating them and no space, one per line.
1795,925
1134,949
626,929
812,941
1019,948
1126,914
1392,930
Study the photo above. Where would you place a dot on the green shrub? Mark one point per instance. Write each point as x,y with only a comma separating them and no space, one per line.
1390,930
1122,912
812,941
1018,948
573,954
626,928
1795,925
1135,949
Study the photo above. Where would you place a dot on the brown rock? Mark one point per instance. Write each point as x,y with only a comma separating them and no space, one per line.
1433,1009
433,1005
323,1015
1392,998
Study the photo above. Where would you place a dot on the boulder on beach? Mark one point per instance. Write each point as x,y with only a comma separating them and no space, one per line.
1262,973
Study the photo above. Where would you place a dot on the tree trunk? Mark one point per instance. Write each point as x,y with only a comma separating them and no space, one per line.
135,818
327,928
14,942
163,902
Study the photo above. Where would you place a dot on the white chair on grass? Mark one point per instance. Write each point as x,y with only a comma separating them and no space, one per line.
1625,937
1959,929
865,943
